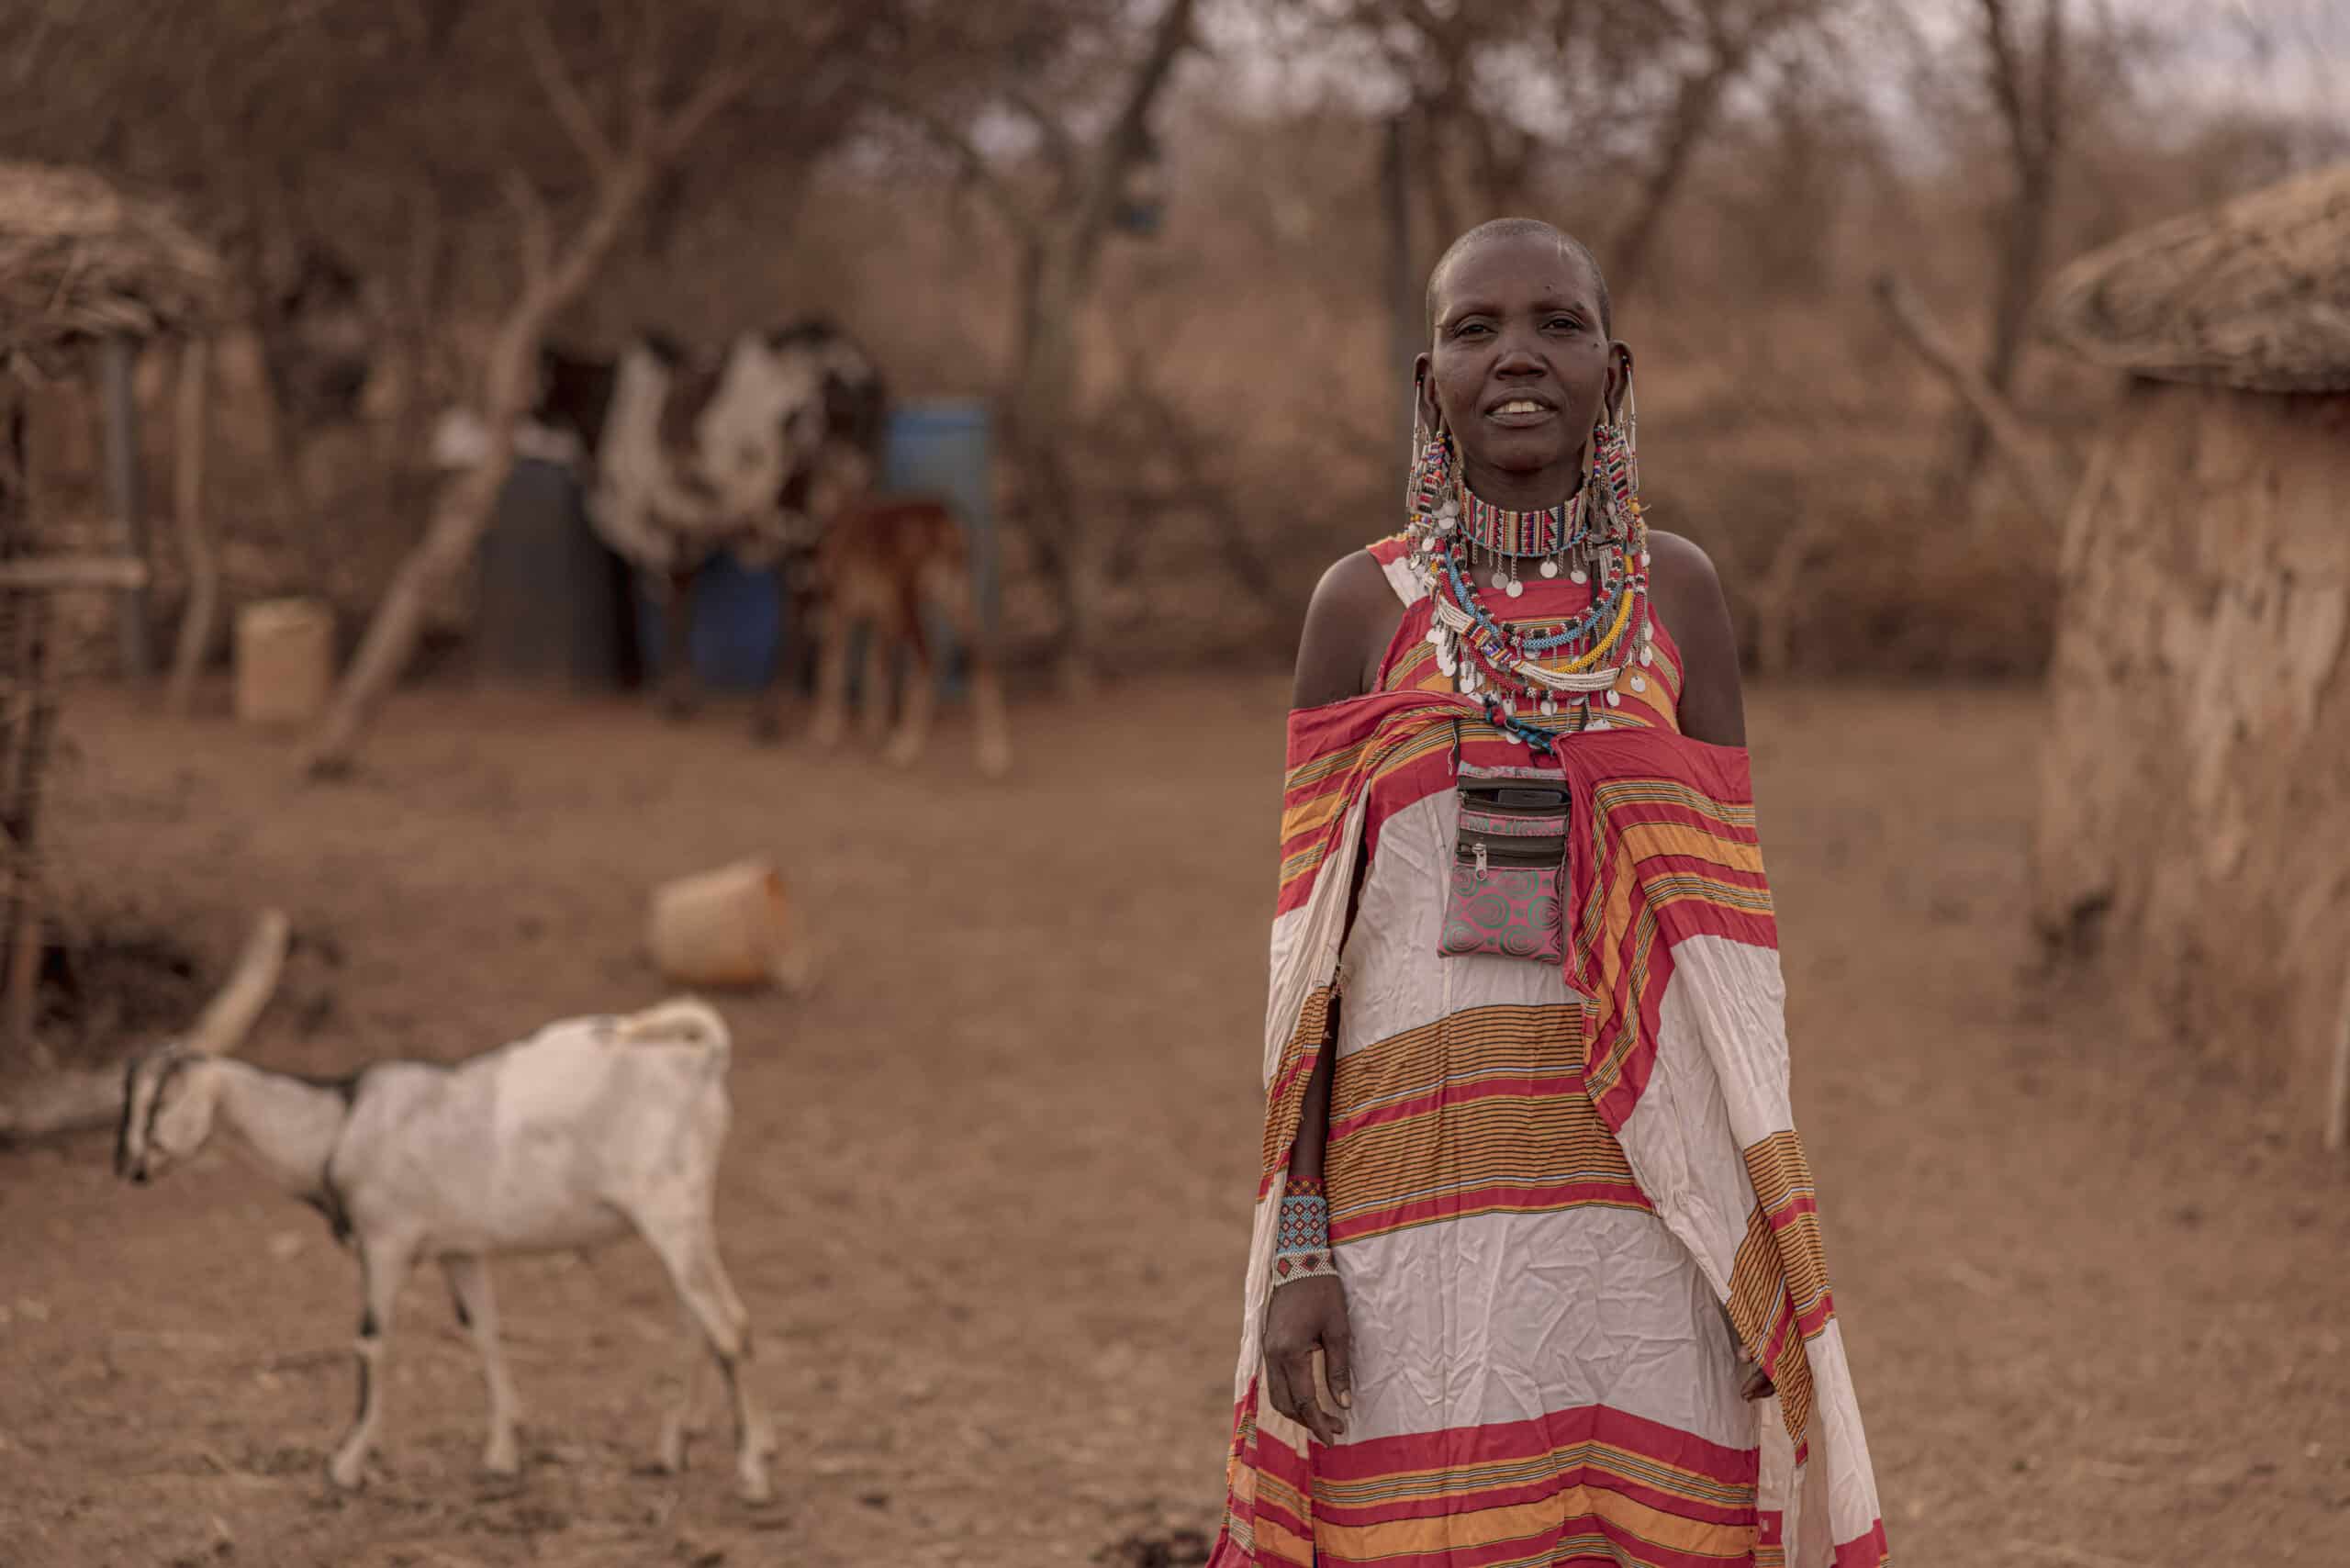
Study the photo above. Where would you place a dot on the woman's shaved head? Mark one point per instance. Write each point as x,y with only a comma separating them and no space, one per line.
1522,228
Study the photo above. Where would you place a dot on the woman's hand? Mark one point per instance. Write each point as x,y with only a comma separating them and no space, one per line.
1306,1315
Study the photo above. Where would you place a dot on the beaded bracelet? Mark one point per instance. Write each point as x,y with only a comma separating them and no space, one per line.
1303,1250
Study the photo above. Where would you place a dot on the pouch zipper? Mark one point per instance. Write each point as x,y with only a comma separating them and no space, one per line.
1484,855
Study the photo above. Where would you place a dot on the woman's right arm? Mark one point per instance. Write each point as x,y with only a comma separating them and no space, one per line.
1337,657
1310,1314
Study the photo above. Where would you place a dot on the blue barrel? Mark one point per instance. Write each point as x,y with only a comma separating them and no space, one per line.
737,632
941,448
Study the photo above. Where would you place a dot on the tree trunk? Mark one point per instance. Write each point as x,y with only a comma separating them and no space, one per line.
457,526
1043,396
468,501
2018,279
1694,107
2035,128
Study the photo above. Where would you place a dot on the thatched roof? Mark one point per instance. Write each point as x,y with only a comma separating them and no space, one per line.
80,260
2254,294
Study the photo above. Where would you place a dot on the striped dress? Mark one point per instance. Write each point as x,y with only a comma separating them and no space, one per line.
1542,1374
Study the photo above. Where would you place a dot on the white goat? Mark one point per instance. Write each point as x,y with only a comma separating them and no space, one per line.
585,1130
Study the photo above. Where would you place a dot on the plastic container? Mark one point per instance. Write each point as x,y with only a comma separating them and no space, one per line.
284,661
944,448
728,927
737,632
553,601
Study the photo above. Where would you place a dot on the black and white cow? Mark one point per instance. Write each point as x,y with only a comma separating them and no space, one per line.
751,454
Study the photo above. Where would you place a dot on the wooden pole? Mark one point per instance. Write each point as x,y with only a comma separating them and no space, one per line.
120,355
2337,1099
195,545
37,573
15,505
24,966
36,704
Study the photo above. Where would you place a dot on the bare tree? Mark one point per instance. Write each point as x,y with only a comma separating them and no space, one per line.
1059,227
656,127
2029,91
1725,37
1499,92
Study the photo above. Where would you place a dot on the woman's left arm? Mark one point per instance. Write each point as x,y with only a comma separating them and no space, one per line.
1686,595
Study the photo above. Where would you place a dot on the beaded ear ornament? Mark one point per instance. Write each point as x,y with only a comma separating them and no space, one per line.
1598,535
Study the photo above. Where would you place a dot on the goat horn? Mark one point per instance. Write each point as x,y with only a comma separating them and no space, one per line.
229,1015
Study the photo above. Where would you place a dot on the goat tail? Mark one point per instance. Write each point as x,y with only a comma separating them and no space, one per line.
679,1021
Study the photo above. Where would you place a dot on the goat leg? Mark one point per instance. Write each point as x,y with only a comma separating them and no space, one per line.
957,595
677,685
382,1266
679,1424
914,708
689,1253
876,678
478,1312
767,717
831,677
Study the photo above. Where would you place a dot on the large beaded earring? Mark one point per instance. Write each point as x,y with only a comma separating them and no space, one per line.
1429,495
1615,463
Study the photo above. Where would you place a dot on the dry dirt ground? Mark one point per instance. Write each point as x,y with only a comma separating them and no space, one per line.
988,1187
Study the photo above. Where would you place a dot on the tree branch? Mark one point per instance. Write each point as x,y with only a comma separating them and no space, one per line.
1060,147
1695,104
2044,484
2051,77
537,225
717,94
643,76
1129,131
950,137
2007,81
563,96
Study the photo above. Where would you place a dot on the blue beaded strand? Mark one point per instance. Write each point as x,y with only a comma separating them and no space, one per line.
1601,611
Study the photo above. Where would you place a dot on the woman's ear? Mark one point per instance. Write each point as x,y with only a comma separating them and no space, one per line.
1619,379
1425,413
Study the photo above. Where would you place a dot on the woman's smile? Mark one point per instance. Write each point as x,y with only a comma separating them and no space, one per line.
1522,410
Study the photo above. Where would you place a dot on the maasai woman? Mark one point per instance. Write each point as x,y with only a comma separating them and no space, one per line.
1533,1207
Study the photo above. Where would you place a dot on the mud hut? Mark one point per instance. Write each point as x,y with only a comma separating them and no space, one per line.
2194,828
82,267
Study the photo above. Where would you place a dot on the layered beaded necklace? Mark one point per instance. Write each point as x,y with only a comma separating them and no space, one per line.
1598,536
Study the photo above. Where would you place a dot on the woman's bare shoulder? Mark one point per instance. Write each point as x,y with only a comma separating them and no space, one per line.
1687,594
1347,624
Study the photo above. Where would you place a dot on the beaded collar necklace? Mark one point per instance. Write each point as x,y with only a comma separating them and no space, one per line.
1519,534
1520,673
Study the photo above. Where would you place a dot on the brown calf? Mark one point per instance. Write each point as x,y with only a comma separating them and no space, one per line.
880,560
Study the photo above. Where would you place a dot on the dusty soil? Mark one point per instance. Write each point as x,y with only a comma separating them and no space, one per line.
988,1187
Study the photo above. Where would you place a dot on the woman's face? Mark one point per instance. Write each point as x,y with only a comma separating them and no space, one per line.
1521,367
